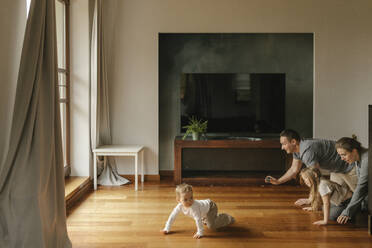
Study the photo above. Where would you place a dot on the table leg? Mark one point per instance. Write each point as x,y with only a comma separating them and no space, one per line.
136,172
95,171
142,162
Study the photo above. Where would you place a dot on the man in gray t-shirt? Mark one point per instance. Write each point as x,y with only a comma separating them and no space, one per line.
321,154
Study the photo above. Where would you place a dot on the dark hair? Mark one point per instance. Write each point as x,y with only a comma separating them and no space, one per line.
290,134
349,144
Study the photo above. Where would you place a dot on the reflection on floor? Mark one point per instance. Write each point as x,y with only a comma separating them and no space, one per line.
265,217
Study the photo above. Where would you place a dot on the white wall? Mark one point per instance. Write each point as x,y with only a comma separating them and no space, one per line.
79,77
12,27
343,62
343,58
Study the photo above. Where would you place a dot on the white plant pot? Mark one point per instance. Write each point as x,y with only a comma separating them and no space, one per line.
195,136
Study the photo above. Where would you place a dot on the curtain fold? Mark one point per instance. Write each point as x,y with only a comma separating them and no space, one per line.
100,114
32,204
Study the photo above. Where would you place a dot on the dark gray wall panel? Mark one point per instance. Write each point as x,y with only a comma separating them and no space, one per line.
291,54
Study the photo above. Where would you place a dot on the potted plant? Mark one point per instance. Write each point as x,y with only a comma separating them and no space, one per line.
195,127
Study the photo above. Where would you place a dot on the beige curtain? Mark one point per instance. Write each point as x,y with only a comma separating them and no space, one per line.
32,205
100,116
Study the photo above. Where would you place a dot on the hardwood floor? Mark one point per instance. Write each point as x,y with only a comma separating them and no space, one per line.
265,217
73,183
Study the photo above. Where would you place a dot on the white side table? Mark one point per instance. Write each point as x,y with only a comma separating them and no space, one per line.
120,150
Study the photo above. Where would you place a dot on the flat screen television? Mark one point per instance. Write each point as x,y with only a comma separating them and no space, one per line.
239,104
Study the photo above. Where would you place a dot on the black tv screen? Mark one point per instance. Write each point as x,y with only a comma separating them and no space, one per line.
234,103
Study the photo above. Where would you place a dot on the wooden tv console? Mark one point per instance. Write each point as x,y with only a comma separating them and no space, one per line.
229,143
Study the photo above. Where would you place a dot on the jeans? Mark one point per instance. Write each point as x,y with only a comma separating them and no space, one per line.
335,211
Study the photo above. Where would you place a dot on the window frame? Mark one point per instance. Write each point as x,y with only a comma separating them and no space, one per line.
66,100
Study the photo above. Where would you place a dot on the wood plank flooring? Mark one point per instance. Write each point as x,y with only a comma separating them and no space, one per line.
265,217
73,183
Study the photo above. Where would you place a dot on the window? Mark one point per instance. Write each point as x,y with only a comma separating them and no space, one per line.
62,25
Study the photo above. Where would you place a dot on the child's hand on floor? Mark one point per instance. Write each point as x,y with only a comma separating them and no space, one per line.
197,236
308,209
320,223
302,201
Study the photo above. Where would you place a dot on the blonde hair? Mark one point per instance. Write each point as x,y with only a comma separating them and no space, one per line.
183,188
313,174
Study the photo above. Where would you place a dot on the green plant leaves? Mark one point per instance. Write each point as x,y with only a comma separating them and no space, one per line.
195,126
